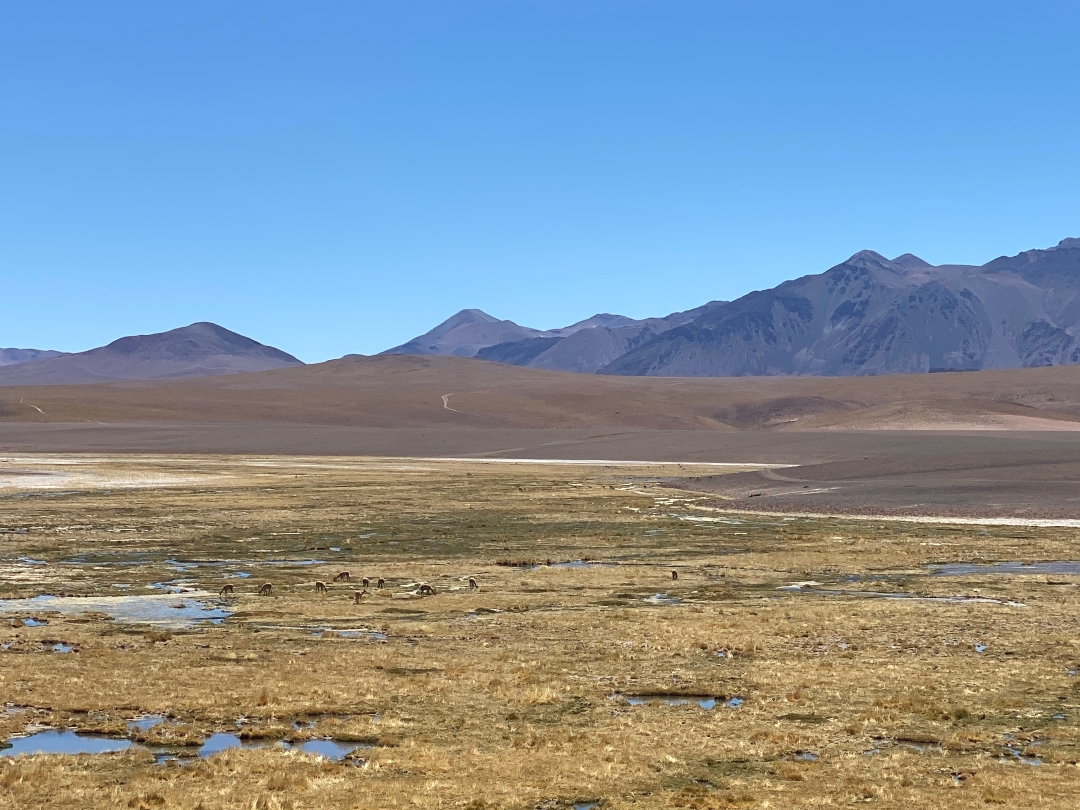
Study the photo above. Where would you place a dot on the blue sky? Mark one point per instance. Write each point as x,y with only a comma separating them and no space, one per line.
335,177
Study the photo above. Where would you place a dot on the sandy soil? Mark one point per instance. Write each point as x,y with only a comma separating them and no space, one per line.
1016,478
412,392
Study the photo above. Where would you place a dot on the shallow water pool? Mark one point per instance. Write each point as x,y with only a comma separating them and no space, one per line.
165,610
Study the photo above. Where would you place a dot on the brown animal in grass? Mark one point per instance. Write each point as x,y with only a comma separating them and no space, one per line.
426,590
365,582
674,575
344,576
226,590
358,595
382,583
266,589
320,587
472,584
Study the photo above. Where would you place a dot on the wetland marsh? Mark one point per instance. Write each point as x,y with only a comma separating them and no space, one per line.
799,660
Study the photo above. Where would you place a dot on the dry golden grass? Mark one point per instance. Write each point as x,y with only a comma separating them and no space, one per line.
513,696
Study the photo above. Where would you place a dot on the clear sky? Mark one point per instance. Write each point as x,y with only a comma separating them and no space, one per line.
335,177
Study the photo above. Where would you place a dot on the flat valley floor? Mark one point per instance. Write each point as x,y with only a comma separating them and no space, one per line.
629,644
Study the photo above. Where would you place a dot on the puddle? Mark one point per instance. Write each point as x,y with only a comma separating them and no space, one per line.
582,564
146,722
27,622
586,805
980,648
1016,755
663,599
804,756
31,561
37,646
163,611
706,702
60,741
64,741
975,569
331,749
221,741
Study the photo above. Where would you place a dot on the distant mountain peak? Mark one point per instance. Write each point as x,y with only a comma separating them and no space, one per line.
463,334
872,260
467,316
910,261
867,255
199,339
200,349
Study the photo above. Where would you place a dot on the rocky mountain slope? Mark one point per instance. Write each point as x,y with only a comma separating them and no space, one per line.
868,315
199,350
585,346
472,331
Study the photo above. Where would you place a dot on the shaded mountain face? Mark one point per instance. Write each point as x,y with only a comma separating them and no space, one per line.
870,315
199,350
12,357
589,345
867,315
473,333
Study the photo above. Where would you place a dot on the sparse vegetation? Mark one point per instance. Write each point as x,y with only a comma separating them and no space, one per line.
515,695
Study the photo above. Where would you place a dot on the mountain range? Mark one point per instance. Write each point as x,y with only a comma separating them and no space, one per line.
868,315
198,350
